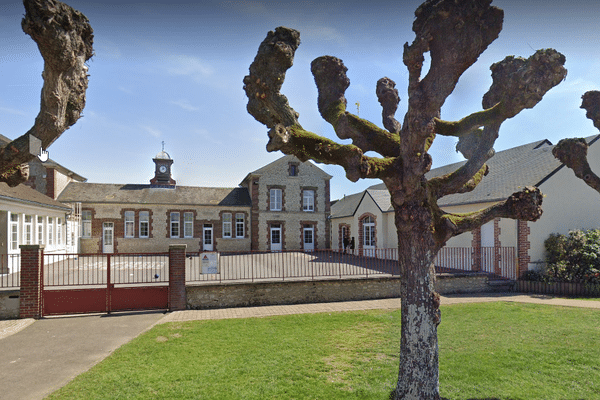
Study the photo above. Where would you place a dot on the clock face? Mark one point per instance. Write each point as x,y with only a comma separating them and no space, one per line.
162,169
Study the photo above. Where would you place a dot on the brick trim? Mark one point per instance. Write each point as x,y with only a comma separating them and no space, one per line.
30,292
177,292
315,198
283,241
476,245
282,197
523,246
341,237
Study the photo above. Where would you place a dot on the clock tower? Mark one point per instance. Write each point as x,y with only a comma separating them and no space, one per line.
162,172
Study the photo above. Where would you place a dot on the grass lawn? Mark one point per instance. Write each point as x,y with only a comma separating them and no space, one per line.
487,351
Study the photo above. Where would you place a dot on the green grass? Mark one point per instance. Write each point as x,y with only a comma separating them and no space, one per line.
488,350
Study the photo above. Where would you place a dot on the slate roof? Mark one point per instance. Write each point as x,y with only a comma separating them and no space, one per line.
510,170
25,194
145,194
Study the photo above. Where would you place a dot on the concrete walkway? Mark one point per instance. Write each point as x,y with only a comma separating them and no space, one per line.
39,357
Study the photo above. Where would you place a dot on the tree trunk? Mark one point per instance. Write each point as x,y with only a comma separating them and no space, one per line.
418,377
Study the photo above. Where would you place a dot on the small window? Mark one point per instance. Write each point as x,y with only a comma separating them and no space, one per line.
239,225
14,231
59,228
144,224
275,200
226,225
28,230
129,224
86,223
174,224
293,169
50,231
40,230
188,224
308,200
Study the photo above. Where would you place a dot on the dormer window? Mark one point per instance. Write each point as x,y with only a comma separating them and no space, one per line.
293,169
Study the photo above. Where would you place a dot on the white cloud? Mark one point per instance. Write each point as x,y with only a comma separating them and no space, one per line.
151,130
185,105
13,111
190,66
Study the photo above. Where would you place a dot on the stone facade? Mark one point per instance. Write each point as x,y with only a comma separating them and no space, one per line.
205,219
295,182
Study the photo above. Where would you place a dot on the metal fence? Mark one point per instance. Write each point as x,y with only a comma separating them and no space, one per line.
101,269
93,269
289,265
10,270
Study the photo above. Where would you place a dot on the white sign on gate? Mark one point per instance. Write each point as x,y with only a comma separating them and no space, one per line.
209,262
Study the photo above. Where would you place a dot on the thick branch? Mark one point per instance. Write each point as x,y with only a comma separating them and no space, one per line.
573,153
469,123
64,38
455,34
591,103
307,146
332,82
525,205
267,73
387,94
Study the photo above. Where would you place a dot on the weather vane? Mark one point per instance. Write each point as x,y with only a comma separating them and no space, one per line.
163,145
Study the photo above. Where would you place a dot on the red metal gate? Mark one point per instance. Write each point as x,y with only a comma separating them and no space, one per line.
93,283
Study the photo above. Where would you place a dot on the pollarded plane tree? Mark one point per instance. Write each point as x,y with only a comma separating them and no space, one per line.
573,152
64,38
454,33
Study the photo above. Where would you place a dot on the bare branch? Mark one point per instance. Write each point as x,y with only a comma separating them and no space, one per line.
387,94
332,82
267,73
573,153
64,38
525,205
308,146
469,123
591,103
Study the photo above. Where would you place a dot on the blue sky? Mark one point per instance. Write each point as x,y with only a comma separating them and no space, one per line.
172,71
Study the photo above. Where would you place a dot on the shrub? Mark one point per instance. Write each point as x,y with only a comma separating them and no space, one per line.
572,258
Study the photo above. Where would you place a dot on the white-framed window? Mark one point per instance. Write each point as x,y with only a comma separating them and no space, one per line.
239,225
308,200
226,225
188,225
275,200
28,230
86,224
129,224
14,231
144,224
50,229
174,224
368,232
59,227
40,230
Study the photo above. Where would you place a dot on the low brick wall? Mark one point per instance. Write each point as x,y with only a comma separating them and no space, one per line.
9,303
204,296
462,283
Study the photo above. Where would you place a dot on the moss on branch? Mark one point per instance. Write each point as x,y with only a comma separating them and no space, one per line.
469,123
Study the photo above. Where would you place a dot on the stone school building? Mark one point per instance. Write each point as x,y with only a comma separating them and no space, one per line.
284,205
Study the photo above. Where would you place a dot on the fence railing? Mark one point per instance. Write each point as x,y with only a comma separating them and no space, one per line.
558,288
93,269
101,269
10,270
289,265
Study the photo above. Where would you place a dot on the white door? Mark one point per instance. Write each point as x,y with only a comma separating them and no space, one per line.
276,238
309,238
207,235
487,247
108,238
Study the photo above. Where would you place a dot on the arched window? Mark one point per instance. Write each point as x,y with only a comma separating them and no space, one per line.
368,232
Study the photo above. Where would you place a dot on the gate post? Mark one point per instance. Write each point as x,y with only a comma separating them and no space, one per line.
177,294
30,297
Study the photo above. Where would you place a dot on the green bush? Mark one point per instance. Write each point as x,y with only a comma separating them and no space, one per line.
571,258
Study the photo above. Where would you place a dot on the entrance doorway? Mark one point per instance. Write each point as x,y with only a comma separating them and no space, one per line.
276,238
207,235
309,238
108,237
